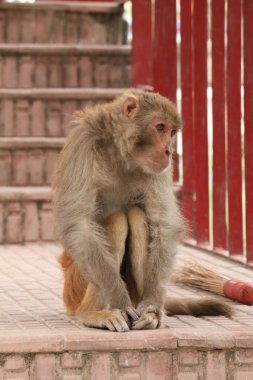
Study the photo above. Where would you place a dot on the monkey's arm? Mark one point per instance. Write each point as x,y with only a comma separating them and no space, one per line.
75,206
166,227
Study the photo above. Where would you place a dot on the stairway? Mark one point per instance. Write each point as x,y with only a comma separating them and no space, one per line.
56,57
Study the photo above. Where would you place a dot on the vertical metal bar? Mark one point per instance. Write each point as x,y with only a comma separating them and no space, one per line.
234,152
165,54
189,163
248,121
142,47
200,119
219,154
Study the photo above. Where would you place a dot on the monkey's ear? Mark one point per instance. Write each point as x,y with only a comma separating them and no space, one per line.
129,107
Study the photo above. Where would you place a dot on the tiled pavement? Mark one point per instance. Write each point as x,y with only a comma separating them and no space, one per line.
39,341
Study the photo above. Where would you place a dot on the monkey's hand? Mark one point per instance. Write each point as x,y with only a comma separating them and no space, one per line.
151,317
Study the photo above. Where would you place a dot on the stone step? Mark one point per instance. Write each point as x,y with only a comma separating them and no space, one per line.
39,341
62,65
28,161
45,112
25,214
62,22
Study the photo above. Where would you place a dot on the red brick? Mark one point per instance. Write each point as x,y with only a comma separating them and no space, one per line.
1,68
71,27
10,72
85,72
159,366
40,76
25,72
55,72
20,167
101,73
1,224
47,225
57,27
53,126
129,359
188,376
71,73
68,109
72,360
116,75
216,366
2,27
244,356
72,377
45,367
7,120
5,168
243,375
50,165
14,363
12,28
189,357
27,27
31,222
92,32
38,118
130,376
102,367
36,167
14,226
22,118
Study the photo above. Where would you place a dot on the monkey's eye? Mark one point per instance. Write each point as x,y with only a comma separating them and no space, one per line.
160,127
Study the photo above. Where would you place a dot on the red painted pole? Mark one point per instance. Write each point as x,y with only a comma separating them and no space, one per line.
234,152
142,48
165,54
219,155
189,163
248,120
200,119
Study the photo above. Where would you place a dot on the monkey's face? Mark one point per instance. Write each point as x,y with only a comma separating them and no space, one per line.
153,152
153,122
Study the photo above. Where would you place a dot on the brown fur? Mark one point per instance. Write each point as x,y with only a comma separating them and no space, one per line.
114,189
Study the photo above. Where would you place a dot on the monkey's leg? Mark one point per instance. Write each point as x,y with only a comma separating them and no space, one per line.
92,310
150,318
74,283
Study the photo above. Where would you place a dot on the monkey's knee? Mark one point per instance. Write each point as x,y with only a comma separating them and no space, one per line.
116,226
137,220
74,284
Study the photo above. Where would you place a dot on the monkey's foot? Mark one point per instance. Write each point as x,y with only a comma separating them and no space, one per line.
113,320
150,318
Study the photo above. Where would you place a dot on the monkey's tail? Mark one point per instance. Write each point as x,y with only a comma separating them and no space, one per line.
196,306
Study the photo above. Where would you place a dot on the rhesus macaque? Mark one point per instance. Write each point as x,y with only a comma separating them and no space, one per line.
117,217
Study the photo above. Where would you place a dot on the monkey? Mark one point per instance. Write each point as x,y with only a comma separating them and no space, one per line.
117,217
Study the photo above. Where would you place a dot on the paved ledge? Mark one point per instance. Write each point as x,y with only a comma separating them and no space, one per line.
62,93
75,6
62,49
34,326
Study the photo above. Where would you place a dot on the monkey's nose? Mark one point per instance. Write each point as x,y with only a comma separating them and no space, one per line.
167,152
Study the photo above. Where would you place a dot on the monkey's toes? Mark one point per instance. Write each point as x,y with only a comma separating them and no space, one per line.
147,321
117,321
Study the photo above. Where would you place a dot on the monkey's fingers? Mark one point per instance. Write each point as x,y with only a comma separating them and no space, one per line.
133,313
147,321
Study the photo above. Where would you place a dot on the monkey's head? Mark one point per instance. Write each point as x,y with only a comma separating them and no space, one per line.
150,123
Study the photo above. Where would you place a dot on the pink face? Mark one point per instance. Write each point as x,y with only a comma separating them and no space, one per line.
157,155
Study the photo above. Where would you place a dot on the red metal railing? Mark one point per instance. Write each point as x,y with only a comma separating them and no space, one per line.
174,43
